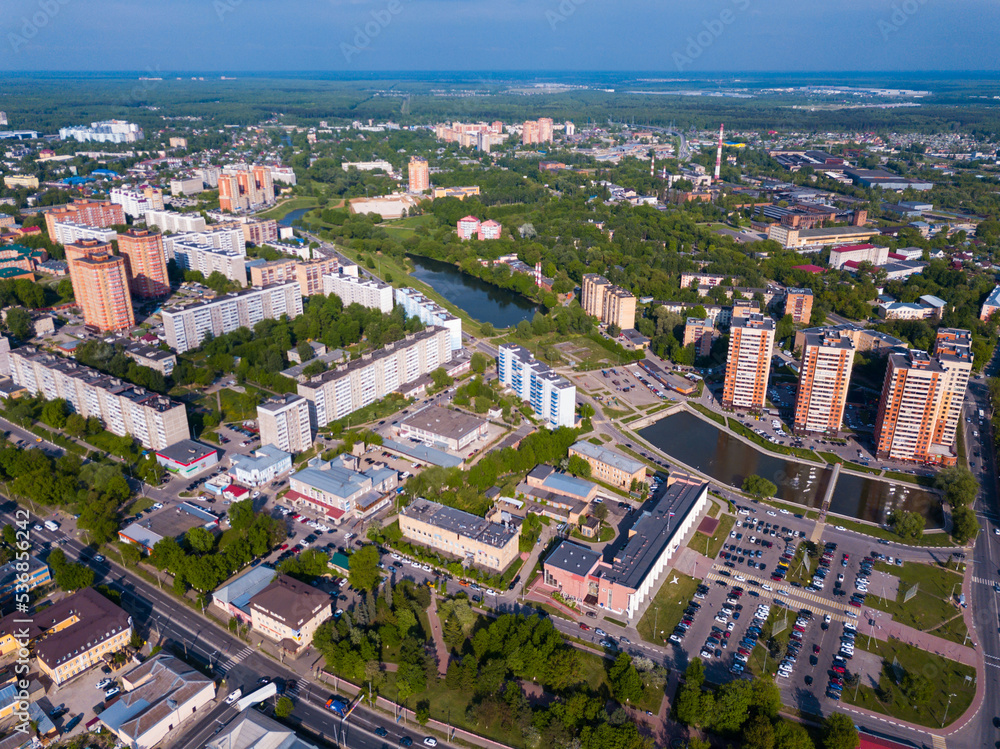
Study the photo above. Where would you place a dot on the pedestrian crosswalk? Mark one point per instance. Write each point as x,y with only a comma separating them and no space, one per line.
226,664
938,742
982,581
292,688
780,591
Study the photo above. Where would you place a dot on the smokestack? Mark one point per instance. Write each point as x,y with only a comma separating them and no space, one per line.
718,155
652,166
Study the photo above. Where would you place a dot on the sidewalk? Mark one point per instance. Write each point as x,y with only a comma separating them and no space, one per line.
438,636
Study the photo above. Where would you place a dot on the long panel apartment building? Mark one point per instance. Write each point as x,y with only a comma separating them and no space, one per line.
611,304
827,363
96,213
748,366
126,410
186,327
175,222
552,398
338,392
220,250
429,312
352,289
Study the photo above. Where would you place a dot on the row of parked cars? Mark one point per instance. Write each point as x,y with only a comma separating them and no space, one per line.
794,648
838,669
689,614
749,640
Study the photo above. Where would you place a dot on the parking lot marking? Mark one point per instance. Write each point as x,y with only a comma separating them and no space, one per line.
793,592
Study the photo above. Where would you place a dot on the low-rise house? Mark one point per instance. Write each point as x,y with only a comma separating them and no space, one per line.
289,612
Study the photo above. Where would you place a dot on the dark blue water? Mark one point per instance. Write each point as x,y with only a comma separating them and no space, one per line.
716,453
483,301
293,216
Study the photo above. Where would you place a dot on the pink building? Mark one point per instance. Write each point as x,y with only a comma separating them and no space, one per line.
489,230
468,227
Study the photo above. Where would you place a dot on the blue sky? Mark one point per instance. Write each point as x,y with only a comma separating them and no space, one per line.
363,35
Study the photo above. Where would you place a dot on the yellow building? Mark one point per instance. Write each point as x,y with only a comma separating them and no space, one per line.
78,632
21,180
289,612
611,304
608,466
459,534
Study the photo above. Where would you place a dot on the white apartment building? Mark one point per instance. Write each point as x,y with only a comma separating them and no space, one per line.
367,166
68,232
126,410
429,312
176,223
339,392
208,260
136,202
187,186
284,423
186,327
283,174
368,292
220,238
552,397
109,131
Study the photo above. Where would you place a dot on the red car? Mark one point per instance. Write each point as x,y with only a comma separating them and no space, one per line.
296,516
856,604
815,648
840,669
282,547
846,556
583,626
296,549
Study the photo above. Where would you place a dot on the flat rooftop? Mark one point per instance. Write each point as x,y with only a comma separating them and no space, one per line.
443,422
608,457
460,522
186,452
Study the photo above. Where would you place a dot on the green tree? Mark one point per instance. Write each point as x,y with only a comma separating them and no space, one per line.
758,733
732,706
964,525
906,524
441,378
283,708
790,735
759,487
364,571
626,685
958,485
241,515
766,697
689,702
200,540
9,535
839,732
579,466
423,712
487,330
479,362
19,324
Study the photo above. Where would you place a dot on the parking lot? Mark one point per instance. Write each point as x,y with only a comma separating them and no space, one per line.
804,612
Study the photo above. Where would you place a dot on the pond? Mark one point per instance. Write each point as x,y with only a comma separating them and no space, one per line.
293,216
727,459
482,301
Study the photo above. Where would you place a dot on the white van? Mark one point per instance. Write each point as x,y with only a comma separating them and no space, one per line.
52,525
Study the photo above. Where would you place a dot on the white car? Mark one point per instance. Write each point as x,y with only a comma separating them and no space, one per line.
430,741
840,528
234,696
827,618
394,555
766,587
741,578
731,626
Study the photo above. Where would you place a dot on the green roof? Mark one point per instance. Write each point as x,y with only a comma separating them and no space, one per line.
340,559
12,272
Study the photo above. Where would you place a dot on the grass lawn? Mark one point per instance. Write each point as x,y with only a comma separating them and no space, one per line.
140,505
937,538
286,207
614,413
665,610
946,677
802,567
794,509
709,413
404,228
930,606
954,630
710,546
910,478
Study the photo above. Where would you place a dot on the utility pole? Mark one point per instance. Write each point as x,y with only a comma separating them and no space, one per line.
945,719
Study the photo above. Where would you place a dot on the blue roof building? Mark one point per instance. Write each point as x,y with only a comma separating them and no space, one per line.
234,596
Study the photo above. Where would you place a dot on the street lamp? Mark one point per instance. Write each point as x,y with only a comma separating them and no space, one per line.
945,719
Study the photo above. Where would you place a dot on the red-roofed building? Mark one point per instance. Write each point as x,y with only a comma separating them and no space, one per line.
840,256
468,227
235,493
808,268
331,512
897,256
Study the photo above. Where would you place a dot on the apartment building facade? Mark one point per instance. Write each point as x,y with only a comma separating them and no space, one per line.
155,420
309,274
827,364
418,175
352,289
100,285
336,393
135,202
700,334
176,223
96,213
799,304
145,262
953,350
186,327
429,312
909,407
611,304
284,423
552,398
748,365
67,232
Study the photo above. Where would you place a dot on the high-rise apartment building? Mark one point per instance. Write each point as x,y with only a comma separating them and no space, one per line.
230,198
552,398
530,133
610,304
284,423
429,312
100,286
135,202
352,289
799,304
699,333
82,249
545,125
748,366
190,255
186,327
96,213
827,363
339,392
175,222
67,232
124,409
953,349
146,263
419,175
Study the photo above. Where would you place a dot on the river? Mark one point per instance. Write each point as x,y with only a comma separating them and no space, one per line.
293,216
727,459
482,301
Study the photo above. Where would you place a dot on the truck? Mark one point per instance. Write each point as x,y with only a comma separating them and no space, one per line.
982,415
338,706
52,525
